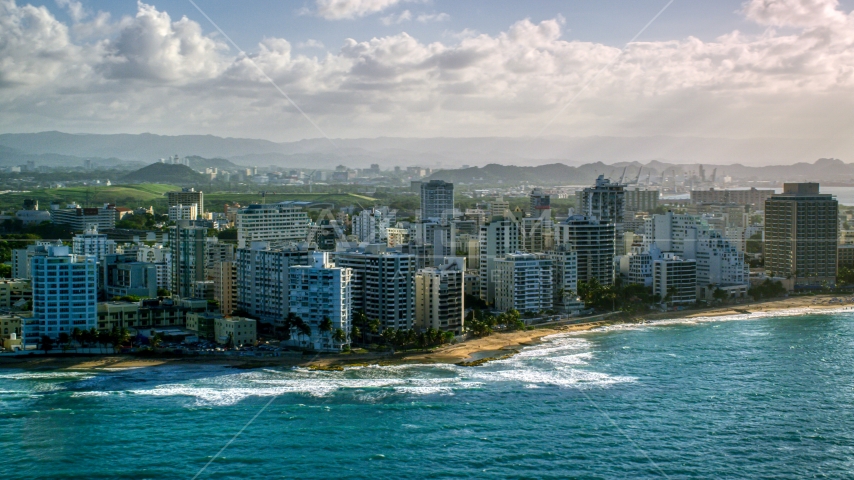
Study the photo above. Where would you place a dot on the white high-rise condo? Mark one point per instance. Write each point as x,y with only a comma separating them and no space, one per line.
279,223
318,292
65,294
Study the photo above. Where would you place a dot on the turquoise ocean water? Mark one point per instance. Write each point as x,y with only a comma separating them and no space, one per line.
745,398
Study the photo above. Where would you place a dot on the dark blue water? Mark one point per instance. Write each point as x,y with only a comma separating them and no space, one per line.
762,398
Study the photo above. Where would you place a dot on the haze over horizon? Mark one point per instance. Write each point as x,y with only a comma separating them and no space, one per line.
751,73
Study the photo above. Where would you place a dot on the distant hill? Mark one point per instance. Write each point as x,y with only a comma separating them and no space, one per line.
827,170
200,163
165,173
435,153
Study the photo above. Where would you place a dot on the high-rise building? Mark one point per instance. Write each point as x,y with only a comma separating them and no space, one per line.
594,243
523,282
92,243
22,257
541,203
440,296
224,278
183,212
78,219
161,258
801,235
65,294
371,225
565,278
498,238
675,280
606,201
719,264
123,275
187,242
320,291
641,200
383,283
187,196
262,278
279,223
216,251
437,200
741,197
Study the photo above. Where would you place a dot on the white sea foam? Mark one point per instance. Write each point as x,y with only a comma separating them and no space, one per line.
46,376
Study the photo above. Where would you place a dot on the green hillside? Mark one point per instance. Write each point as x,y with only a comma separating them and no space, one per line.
145,194
164,172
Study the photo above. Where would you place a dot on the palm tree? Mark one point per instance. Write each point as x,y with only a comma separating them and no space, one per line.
156,339
326,326
355,333
339,336
78,336
103,337
47,343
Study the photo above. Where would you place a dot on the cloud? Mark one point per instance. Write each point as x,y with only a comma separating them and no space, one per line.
393,19
433,17
349,9
152,47
75,9
311,43
151,72
794,13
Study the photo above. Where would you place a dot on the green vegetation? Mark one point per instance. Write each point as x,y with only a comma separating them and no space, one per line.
482,324
164,172
631,298
767,289
142,195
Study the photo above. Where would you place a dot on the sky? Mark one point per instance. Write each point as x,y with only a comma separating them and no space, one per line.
289,70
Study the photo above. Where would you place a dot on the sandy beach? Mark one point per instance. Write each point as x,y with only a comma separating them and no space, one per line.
473,351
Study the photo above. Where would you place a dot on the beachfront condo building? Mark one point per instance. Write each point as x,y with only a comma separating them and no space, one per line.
262,278
523,282
675,280
65,294
318,292
383,283
801,235
279,223
498,238
565,276
440,296
594,242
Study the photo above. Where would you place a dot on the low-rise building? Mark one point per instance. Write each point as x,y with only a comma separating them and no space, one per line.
236,331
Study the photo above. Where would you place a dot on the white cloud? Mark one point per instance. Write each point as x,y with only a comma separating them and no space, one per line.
432,17
348,9
153,73
311,43
794,13
75,9
393,19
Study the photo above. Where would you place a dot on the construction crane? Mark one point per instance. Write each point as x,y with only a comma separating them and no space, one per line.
637,179
623,175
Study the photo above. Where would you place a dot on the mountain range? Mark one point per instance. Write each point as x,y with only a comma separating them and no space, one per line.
740,159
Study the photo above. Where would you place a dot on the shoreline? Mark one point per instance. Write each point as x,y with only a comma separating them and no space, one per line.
472,352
